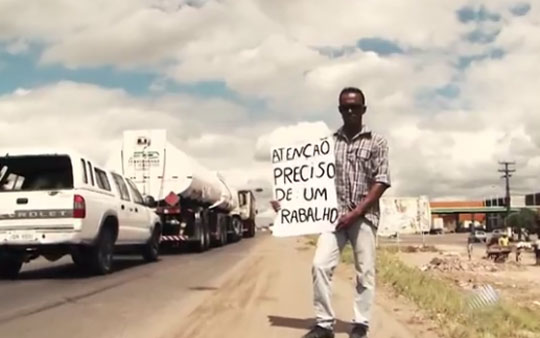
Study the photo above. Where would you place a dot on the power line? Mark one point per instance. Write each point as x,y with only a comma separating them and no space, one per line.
507,170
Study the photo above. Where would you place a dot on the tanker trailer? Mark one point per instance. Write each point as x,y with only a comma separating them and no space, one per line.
194,203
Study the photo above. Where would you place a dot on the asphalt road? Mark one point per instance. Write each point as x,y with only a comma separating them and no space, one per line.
136,300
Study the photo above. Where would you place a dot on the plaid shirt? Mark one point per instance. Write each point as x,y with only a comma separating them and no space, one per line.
360,163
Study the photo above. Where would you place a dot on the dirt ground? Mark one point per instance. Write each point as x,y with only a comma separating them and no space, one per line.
519,282
270,296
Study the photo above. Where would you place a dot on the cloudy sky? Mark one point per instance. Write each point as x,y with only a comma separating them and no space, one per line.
453,85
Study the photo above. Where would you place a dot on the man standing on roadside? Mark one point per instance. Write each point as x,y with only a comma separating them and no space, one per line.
470,241
537,248
362,176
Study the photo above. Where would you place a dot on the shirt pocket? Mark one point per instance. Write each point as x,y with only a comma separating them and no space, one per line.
364,162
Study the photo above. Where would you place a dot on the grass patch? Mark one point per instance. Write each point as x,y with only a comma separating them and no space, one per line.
347,255
448,305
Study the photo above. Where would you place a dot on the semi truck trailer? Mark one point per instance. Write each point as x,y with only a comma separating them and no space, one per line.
195,204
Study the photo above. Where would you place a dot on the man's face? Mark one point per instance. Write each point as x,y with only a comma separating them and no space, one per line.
351,107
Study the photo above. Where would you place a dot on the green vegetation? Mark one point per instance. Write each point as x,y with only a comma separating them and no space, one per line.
525,219
448,305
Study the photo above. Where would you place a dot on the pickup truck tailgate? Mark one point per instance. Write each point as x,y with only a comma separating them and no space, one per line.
36,192
36,209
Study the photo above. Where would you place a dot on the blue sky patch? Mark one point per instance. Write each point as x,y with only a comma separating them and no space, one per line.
521,9
481,36
443,97
466,60
209,89
379,46
334,52
24,71
203,88
449,91
470,14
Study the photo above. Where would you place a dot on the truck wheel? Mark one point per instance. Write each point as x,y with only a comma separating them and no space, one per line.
204,240
208,241
237,230
251,230
222,236
150,250
10,266
100,256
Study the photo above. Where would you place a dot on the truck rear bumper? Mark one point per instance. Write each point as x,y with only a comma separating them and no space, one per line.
174,238
38,237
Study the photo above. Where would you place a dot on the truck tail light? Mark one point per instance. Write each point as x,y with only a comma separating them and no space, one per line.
79,207
169,210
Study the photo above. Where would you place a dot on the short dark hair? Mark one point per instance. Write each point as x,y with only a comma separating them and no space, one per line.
353,90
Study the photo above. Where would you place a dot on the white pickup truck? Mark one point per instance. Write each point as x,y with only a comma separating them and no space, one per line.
54,203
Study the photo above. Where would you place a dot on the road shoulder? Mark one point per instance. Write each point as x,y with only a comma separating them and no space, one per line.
271,296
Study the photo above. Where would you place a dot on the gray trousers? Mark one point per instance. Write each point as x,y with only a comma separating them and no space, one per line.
327,255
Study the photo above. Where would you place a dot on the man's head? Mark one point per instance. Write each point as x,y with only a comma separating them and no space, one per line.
352,107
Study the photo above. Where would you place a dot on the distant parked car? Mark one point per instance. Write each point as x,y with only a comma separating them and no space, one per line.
478,236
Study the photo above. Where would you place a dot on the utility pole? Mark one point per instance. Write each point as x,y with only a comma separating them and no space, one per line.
507,174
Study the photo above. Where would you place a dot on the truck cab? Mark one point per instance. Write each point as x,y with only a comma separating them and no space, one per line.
248,211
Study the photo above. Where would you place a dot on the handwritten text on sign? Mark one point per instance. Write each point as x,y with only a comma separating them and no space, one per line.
304,186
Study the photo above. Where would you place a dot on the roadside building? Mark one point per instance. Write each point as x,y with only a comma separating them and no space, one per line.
458,216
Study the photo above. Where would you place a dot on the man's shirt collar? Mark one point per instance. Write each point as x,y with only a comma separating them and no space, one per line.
363,132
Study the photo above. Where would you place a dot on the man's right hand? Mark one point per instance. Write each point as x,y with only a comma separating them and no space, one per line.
275,205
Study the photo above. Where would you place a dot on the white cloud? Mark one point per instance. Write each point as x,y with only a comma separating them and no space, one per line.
338,22
89,117
21,92
440,145
258,49
91,120
141,31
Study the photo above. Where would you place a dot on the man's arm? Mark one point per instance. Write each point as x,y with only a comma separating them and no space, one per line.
373,196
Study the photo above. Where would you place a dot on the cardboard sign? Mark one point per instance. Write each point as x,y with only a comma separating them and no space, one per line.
303,183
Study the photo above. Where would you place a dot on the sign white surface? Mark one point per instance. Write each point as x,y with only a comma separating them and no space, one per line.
303,183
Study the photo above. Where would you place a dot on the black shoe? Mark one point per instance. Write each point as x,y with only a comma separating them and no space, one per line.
319,332
359,331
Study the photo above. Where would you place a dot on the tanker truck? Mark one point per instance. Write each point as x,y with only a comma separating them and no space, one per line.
196,205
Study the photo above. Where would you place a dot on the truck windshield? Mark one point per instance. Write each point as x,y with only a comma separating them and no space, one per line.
242,198
32,173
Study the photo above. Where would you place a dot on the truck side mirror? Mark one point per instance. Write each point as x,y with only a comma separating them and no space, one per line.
149,201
